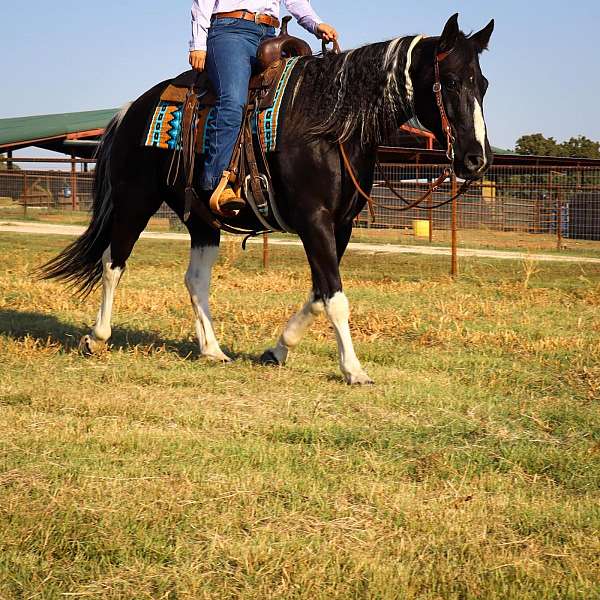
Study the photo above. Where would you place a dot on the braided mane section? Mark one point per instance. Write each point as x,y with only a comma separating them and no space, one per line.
366,92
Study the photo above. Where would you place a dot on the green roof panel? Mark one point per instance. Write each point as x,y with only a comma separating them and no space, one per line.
24,129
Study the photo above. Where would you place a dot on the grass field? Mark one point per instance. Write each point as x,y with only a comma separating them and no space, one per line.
471,470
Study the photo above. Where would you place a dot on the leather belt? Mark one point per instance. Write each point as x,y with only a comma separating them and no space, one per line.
249,16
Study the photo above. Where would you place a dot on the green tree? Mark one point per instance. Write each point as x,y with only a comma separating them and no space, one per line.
538,145
580,147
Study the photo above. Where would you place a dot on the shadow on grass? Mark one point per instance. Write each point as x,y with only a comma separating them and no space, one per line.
43,327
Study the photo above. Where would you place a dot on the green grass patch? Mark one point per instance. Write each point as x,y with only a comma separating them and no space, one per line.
471,470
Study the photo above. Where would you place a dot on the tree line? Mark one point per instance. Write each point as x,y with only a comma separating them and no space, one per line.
576,147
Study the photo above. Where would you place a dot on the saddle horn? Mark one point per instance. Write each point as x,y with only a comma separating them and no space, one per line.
284,26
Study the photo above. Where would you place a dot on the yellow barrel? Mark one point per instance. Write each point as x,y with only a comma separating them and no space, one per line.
421,228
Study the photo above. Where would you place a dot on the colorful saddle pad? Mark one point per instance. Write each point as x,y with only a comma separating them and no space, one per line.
164,130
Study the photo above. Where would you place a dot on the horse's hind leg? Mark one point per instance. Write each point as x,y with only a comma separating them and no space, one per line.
203,254
132,212
111,275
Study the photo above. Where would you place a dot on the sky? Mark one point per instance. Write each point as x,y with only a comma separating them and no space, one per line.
73,55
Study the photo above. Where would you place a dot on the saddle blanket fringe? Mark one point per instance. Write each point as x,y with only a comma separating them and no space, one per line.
164,130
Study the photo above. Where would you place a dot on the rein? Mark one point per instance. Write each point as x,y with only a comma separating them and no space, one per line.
445,174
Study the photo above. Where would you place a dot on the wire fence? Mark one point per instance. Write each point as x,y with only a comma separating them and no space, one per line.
564,201
551,204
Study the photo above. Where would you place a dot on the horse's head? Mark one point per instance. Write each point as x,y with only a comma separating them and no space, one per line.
463,87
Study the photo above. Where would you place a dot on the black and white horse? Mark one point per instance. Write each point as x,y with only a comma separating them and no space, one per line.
356,98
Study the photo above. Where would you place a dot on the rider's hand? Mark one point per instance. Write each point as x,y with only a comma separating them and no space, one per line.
327,33
198,59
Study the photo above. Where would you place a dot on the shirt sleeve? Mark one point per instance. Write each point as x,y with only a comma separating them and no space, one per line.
201,14
304,13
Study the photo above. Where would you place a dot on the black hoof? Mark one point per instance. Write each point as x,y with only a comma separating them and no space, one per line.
268,358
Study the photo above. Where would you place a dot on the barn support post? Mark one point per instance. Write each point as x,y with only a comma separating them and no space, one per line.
74,198
9,163
454,260
25,192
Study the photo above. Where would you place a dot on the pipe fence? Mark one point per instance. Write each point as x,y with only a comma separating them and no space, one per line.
563,202
541,207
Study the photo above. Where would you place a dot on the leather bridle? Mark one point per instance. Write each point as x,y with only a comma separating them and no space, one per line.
446,172
439,100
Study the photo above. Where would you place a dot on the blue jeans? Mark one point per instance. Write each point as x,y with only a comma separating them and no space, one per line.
230,61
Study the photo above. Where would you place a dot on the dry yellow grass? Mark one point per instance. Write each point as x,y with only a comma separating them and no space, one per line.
471,470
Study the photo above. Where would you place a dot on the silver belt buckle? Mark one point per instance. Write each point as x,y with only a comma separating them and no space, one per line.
256,18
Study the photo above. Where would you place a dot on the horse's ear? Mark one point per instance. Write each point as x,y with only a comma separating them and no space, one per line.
481,39
450,34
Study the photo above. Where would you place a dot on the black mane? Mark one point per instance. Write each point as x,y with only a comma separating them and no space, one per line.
360,92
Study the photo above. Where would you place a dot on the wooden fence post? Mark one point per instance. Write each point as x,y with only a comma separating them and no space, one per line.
454,191
265,251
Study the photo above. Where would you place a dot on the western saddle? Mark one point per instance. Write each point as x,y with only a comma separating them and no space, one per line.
244,173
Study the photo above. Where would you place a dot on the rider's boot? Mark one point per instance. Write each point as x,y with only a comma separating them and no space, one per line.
229,200
225,199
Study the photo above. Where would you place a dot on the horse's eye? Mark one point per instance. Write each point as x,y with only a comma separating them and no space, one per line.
452,84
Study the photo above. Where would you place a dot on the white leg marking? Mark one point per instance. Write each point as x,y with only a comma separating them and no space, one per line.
296,328
110,279
480,129
197,281
338,311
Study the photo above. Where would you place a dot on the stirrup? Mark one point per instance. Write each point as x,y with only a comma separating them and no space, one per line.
263,181
214,202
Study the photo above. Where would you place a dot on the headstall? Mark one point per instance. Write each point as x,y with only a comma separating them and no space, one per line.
446,172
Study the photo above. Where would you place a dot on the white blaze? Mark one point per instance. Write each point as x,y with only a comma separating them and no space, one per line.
480,128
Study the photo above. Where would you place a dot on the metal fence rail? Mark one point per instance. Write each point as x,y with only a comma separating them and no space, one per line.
534,200
563,202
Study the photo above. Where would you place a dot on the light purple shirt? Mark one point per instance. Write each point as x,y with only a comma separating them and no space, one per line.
202,11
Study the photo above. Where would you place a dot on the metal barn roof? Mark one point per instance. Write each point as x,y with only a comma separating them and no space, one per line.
55,132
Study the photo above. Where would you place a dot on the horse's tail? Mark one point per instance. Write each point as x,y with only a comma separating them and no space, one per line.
80,263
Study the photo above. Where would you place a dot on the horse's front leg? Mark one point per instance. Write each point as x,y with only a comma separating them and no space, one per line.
294,331
323,252
338,311
337,308
328,287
